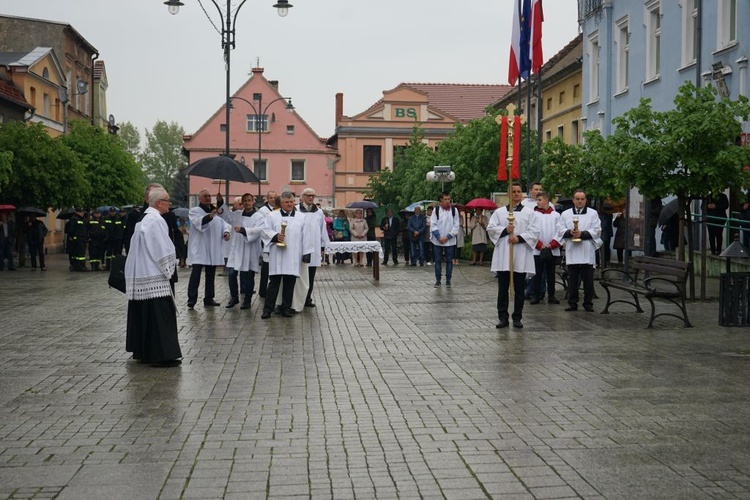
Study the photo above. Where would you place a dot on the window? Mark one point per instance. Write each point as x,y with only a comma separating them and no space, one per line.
45,73
547,135
575,137
727,29
32,96
576,91
46,104
371,159
623,55
255,122
549,103
594,53
290,130
260,169
298,170
561,132
689,32
561,98
653,39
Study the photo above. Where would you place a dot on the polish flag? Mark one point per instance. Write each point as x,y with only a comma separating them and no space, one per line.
537,18
519,63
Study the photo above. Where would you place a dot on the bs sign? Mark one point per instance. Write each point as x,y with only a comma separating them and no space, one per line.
406,113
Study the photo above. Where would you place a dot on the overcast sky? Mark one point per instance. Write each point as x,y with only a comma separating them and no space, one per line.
164,67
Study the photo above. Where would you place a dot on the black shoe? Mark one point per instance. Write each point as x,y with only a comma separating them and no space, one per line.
553,300
287,313
191,305
413,265
571,308
517,323
232,302
588,308
395,263
384,263
277,310
309,303
167,364
265,315
534,301
448,284
211,303
437,284
502,324
245,305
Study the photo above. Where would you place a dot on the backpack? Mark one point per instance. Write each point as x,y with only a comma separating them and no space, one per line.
437,212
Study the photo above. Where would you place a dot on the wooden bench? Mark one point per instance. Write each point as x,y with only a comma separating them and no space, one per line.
653,278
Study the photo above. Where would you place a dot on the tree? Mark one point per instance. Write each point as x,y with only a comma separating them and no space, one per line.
406,182
44,172
162,159
130,138
593,166
687,151
112,172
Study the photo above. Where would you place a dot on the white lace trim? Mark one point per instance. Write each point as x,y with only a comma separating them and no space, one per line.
353,247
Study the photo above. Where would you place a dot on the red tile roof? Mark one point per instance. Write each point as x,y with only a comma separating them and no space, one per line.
10,92
464,102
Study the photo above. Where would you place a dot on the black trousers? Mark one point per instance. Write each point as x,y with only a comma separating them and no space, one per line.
274,282
391,248
36,249
545,270
519,283
715,237
263,285
311,278
195,281
576,274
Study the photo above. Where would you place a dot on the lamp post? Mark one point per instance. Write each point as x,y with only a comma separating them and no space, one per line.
227,44
260,112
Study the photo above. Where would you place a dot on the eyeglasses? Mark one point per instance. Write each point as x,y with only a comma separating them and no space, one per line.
165,199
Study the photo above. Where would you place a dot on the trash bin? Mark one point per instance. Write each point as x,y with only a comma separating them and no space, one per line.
734,299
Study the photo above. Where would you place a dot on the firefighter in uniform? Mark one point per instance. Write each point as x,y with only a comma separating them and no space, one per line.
97,240
78,237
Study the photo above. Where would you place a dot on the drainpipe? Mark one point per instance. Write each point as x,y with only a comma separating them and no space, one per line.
93,88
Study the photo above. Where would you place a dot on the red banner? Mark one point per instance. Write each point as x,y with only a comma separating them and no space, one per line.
502,169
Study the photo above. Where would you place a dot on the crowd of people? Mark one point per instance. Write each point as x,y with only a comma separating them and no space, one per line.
274,250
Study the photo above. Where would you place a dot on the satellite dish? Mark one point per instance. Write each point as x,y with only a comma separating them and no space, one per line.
82,86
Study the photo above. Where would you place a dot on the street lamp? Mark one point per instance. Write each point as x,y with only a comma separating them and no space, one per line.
260,112
228,43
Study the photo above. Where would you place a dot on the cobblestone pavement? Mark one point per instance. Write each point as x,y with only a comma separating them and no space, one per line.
385,390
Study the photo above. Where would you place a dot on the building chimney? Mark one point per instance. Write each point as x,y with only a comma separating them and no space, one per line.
257,70
339,107
274,84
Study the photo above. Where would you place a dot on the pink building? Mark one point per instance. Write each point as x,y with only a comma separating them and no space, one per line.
292,156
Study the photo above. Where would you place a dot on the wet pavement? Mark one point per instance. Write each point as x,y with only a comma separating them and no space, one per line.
384,390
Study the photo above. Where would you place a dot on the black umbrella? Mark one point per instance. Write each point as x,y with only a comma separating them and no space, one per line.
31,211
66,214
105,208
668,210
221,167
362,204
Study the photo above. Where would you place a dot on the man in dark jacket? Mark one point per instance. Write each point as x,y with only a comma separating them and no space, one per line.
78,238
391,227
417,227
7,240
716,208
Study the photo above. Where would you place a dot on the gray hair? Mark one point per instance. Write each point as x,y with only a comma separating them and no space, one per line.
156,194
308,191
151,186
286,195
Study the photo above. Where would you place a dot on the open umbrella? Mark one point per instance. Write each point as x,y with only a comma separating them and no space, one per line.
31,212
421,203
362,204
483,203
668,211
181,212
105,208
221,167
7,208
66,214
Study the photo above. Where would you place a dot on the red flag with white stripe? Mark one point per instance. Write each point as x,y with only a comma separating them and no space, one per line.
537,18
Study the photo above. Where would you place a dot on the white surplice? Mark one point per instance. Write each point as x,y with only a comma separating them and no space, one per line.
245,252
581,252
206,240
286,260
526,227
